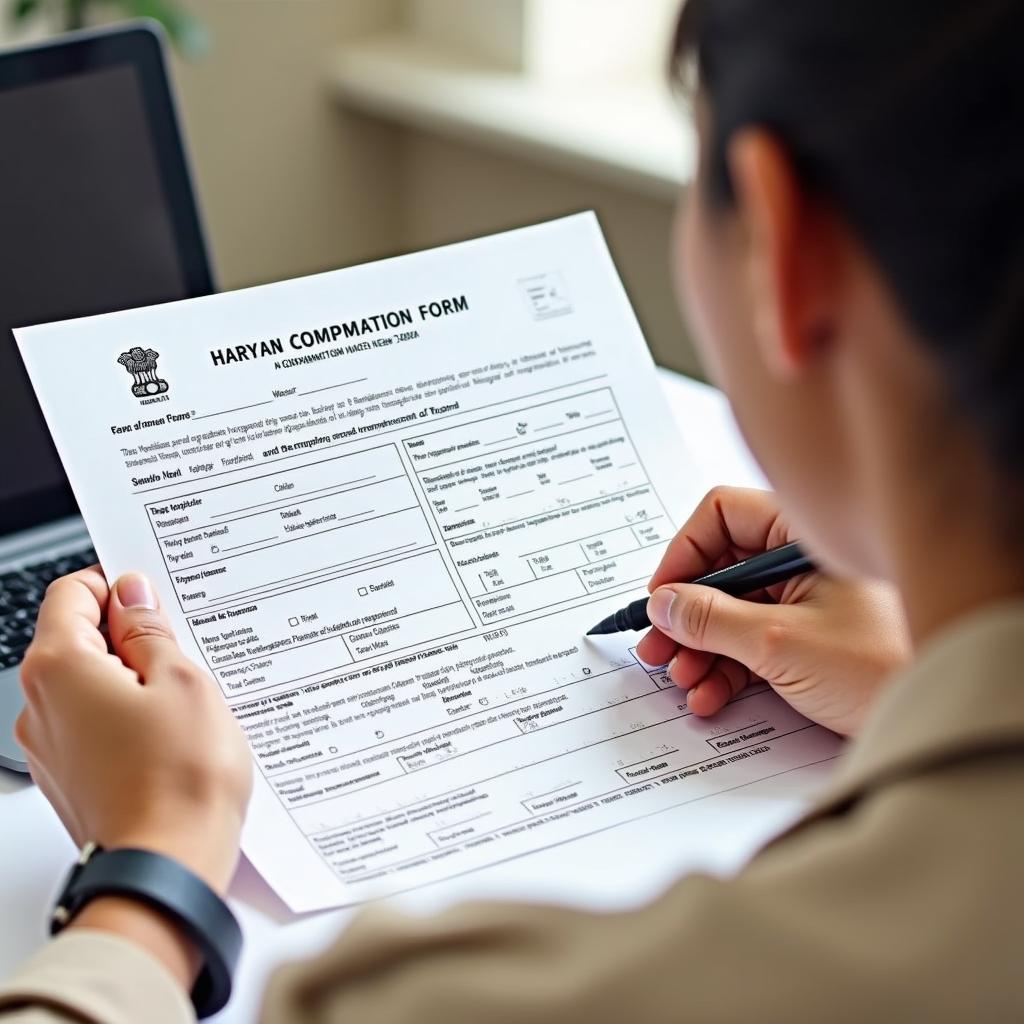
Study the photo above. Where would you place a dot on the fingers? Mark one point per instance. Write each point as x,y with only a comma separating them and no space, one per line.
709,681
724,680
703,619
687,668
656,648
139,632
727,519
73,610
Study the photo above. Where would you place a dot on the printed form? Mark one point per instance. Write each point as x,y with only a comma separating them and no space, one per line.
382,506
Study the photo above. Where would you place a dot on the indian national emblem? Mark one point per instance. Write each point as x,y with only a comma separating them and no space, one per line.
141,364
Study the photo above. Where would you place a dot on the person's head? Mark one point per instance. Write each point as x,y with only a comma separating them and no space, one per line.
853,250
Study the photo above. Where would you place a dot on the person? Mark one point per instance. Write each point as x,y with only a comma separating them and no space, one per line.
853,260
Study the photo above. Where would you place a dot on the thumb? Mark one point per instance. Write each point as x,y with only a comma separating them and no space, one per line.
704,619
139,633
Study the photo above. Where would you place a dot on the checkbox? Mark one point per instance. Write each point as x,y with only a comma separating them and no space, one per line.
363,591
293,621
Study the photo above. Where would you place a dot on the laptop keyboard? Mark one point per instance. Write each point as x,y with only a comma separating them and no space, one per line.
20,594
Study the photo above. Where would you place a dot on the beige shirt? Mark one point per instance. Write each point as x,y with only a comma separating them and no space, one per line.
900,897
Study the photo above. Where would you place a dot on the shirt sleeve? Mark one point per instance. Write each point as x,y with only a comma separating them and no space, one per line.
904,907
896,910
92,977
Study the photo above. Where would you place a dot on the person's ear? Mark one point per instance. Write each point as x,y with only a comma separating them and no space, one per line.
790,253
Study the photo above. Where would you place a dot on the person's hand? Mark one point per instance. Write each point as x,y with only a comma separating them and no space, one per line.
825,645
133,745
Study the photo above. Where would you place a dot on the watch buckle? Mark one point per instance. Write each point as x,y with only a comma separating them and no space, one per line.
61,914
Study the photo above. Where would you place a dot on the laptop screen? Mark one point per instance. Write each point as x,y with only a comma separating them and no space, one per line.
86,226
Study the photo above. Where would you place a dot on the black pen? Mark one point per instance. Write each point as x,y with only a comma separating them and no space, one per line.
775,566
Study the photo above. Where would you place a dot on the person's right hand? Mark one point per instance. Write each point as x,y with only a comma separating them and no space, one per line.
825,645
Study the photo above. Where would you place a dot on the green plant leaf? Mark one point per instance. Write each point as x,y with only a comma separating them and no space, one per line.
20,10
187,33
74,13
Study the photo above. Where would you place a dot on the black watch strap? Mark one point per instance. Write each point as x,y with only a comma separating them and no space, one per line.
171,889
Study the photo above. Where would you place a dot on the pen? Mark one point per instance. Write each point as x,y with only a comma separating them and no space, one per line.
775,566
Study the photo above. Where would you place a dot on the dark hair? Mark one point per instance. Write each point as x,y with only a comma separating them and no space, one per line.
908,116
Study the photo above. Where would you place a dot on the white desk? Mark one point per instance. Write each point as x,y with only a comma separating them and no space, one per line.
35,852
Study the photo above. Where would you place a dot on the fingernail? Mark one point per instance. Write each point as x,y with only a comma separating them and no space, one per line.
659,607
134,591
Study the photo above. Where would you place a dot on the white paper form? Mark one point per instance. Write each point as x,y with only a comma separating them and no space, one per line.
382,506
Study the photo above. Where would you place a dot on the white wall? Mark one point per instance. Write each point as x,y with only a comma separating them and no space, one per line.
454,190
290,183
493,30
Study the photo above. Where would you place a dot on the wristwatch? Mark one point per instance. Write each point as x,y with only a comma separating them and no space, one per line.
168,887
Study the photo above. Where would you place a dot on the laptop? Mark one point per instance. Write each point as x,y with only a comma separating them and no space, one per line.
98,213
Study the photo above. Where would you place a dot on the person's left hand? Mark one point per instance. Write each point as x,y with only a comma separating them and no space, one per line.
132,744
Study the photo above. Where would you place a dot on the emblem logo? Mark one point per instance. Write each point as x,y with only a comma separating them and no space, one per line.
141,364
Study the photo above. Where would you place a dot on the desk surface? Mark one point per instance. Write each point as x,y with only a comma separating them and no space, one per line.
35,851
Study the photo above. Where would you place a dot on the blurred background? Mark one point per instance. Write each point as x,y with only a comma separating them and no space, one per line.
330,132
